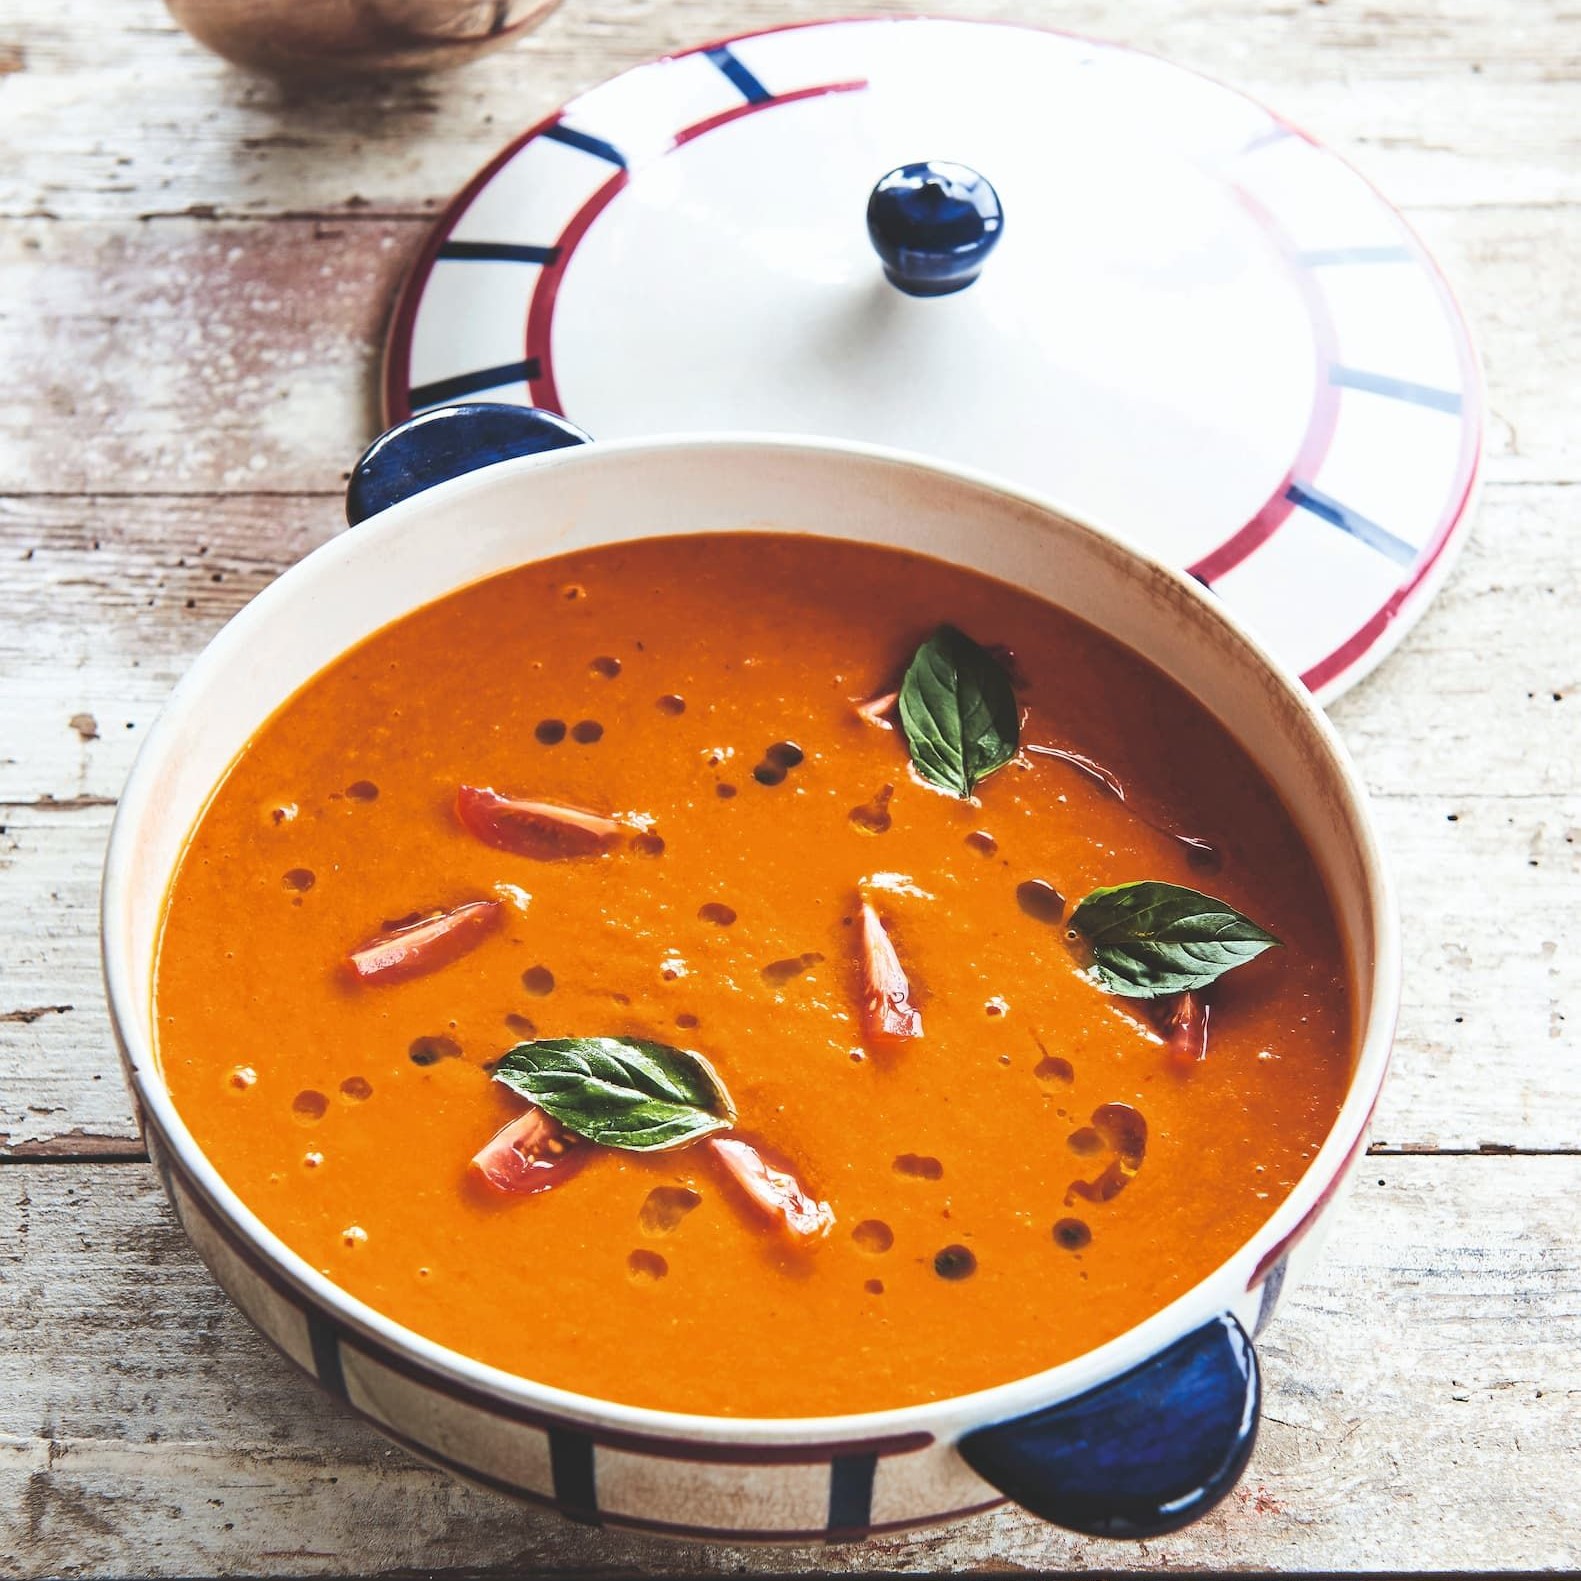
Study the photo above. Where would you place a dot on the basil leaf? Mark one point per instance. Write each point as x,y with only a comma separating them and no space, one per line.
1151,939
958,711
621,1092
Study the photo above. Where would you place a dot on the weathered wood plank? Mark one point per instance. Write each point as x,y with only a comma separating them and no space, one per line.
121,384
108,602
1483,693
1488,1055
1452,103
60,1082
1531,356
144,1428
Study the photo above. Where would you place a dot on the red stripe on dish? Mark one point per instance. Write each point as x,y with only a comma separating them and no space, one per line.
1315,446
772,1534
736,111
637,1523
1360,641
540,312
1468,466
1321,421
1277,1253
398,342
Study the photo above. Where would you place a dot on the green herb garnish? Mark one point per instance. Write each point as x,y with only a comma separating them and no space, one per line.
620,1092
1150,939
959,712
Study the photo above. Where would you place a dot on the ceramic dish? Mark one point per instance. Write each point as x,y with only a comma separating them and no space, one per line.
1199,326
1136,1437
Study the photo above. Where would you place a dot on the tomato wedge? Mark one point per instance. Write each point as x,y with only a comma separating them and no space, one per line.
775,1193
887,1012
877,710
529,1155
1185,1028
540,829
426,944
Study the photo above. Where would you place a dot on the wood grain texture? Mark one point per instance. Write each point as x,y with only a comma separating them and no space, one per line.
123,385
144,1427
1395,90
195,271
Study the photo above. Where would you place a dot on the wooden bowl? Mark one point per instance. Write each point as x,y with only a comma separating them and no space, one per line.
329,38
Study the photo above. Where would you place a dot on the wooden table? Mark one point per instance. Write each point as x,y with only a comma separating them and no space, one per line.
195,269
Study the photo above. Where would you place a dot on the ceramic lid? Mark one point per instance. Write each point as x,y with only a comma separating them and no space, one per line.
1188,321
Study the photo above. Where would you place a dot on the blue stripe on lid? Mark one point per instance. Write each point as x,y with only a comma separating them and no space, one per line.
473,383
571,1467
596,146
1323,256
1396,389
744,82
1352,522
851,1494
1274,134
1273,1284
325,1342
498,252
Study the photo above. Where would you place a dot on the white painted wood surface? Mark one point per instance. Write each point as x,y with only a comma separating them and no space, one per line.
195,268
192,1448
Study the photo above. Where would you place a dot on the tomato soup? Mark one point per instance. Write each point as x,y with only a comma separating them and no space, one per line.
910,1130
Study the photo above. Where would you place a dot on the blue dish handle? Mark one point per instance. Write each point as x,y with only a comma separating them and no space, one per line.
446,443
1141,1455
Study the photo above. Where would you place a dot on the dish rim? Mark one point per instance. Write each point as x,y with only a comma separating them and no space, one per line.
1218,1291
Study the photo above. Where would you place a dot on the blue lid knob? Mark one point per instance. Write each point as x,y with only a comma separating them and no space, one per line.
933,225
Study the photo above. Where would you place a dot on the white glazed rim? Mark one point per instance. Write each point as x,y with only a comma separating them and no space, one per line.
1217,1293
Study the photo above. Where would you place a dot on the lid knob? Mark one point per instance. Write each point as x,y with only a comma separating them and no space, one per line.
933,225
